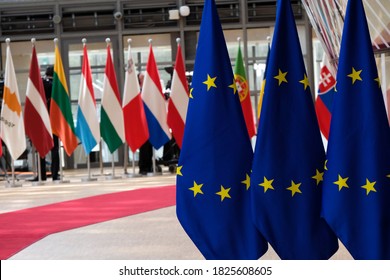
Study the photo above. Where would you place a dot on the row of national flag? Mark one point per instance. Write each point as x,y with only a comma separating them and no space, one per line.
233,202
140,117
144,117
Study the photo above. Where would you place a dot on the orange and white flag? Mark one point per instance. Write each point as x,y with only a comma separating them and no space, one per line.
12,125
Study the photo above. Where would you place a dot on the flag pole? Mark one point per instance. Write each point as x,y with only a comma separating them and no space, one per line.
13,172
34,164
39,168
154,163
39,183
13,183
113,165
101,158
61,180
126,174
113,168
133,164
89,178
89,168
126,159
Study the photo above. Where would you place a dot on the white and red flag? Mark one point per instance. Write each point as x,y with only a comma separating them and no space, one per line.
136,127
35,110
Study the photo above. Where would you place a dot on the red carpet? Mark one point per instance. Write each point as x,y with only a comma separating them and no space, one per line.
20,229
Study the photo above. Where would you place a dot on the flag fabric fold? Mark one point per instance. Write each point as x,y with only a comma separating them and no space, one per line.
356,191
87,127
178,101
324,100
154,104
244,94
12,124
61,117
289,155
213,202
35,110
136,127
111,114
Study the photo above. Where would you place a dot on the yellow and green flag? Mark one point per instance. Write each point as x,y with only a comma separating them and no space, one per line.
60,110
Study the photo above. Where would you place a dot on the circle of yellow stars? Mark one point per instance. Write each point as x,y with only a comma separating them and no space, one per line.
224,192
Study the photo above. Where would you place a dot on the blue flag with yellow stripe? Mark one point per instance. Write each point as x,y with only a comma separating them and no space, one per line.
213,202
356,193
289,157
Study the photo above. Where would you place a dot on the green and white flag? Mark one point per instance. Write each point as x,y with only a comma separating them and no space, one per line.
111,114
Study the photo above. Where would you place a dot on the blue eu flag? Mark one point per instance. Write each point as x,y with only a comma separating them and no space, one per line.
289,157
213,201
356,192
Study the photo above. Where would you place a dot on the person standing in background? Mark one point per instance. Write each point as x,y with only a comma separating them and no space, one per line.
55,156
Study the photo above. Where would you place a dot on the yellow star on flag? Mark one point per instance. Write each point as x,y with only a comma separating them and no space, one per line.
267,184
247,182
378,81
294,188
355,75
305,81
223,193
281,77
326,167
318,177
178,170
191,96
210,82
197,188
341,182
369,186
233,86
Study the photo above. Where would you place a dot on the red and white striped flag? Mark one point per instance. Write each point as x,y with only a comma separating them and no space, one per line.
12,125
178,102
136,127
35,110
